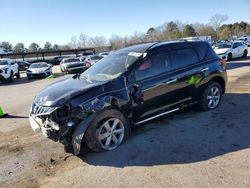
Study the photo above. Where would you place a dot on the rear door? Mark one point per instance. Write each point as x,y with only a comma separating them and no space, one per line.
188,72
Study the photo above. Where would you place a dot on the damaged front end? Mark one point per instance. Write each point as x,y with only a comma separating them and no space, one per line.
56,123
67,121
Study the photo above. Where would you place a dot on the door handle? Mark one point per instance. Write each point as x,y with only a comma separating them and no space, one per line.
171,81
204,69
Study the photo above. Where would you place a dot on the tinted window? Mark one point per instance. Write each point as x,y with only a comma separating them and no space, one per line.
154,65
201,49
239,44
235,45
183,57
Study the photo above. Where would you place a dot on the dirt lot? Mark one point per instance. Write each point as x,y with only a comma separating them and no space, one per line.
186,149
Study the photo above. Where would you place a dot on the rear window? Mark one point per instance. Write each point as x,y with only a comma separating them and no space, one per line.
183,57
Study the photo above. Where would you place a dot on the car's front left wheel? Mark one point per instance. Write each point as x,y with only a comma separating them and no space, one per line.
107,131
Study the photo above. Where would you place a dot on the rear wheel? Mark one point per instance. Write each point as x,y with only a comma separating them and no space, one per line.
107,131
245,53
210,97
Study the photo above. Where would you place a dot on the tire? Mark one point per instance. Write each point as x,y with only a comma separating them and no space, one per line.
229,57
245,53
18,74
11,78
97,135
208,94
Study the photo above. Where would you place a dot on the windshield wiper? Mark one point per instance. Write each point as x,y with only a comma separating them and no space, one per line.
85,77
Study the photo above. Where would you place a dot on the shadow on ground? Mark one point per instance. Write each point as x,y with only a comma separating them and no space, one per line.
185,137
237,63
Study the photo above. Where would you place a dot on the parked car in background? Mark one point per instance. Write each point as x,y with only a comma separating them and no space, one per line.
103,54
82,57
127,88
57,60
228,51
39,70
8,70
23,65
73,64
245,39
92,59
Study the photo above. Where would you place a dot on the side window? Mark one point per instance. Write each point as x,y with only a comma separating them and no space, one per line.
235,45
183,57
154,65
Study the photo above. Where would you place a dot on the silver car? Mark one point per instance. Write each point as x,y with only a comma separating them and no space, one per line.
69,65
92,59
39,70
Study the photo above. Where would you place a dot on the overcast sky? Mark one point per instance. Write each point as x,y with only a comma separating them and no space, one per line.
58,20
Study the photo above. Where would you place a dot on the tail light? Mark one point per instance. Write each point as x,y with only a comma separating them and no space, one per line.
223,62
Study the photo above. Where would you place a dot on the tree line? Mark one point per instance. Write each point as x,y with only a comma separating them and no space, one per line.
167,31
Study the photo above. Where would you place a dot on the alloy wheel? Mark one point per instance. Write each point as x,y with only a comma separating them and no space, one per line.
213,97
111,133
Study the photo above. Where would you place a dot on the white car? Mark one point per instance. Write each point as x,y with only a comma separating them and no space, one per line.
8,69
245,39
72,64
92,59
39,70
228,51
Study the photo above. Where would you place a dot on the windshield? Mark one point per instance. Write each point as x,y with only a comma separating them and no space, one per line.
96,57
110,67
3,63
219,46
71,60
38,65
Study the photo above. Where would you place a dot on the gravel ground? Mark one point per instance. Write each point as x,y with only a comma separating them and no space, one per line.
185,149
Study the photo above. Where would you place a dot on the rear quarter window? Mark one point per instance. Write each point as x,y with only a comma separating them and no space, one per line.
183,57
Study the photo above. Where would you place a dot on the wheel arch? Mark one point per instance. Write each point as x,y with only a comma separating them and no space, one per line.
221,81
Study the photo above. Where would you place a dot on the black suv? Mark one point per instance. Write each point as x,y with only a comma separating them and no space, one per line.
126,88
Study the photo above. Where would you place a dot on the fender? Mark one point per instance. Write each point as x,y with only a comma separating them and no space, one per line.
116,98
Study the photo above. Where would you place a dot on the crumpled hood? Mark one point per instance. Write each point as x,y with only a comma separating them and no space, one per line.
221,50
62,91
38,70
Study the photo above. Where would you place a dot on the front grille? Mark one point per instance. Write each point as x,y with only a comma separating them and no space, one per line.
75,65
41,110
39,75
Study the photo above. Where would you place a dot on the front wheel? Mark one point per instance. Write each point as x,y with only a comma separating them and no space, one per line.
107,131
11,78
210,97
229,57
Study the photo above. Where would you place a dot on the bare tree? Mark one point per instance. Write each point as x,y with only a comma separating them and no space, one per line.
82,41
217,20
73,42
